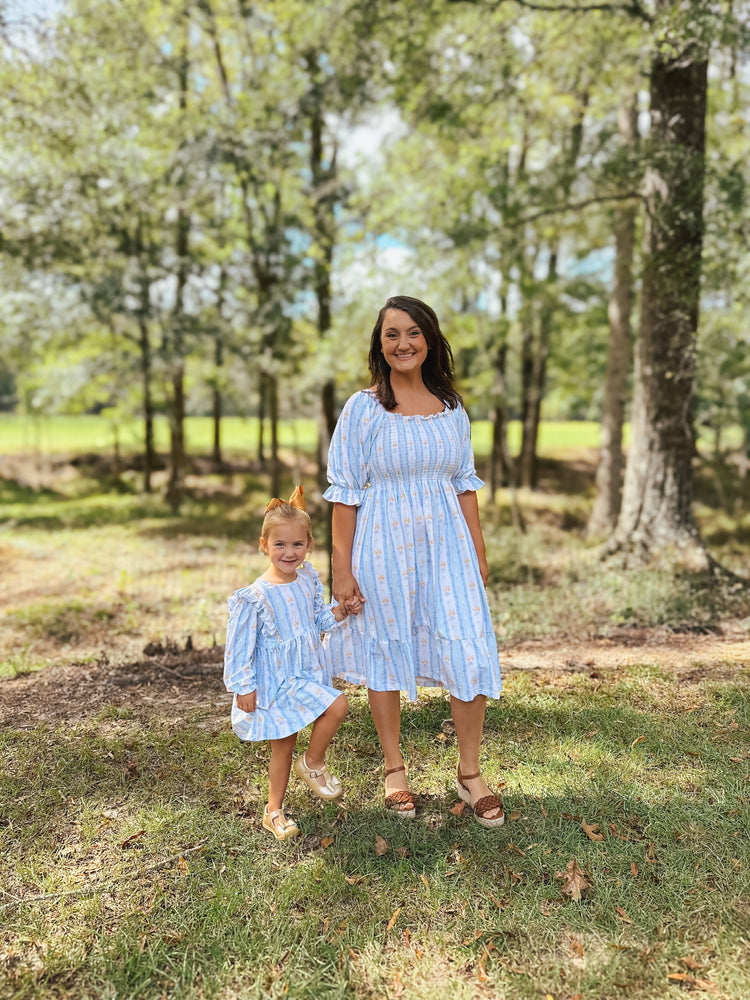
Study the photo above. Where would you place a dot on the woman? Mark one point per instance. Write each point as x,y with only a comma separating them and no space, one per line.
408,552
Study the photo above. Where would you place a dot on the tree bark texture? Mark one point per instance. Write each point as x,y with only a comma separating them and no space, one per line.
656,517
606,507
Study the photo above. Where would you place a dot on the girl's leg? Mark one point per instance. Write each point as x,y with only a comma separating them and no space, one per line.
323,730
385,707
468,718
279,769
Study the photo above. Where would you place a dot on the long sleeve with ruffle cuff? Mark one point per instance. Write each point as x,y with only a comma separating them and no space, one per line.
242,631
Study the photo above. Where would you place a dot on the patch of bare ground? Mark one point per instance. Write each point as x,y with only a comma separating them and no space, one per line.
168,682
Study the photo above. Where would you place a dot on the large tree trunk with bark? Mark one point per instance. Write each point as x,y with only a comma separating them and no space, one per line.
606,507
656,519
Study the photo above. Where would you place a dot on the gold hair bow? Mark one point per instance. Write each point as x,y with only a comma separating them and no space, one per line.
295,500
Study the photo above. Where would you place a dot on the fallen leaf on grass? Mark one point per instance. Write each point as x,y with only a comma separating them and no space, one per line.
326,841
515,814
481,966
516,850
691,963
623,915
381,846
458,809
183,867
638,739
702,984
592,831
403,852
130,841
354,879
423,878
496,901
650,856
574,881
392,921
634,869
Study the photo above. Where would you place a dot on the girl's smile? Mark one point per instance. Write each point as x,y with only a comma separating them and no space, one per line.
286,545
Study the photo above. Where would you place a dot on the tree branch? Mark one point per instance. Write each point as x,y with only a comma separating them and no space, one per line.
632,7
574,206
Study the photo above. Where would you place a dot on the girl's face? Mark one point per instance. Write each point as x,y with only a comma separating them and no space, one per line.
403,343
286,545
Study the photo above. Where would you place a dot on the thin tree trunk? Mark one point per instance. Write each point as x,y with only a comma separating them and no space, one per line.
262,398
149,454
656,517
606,507
216,407
273,414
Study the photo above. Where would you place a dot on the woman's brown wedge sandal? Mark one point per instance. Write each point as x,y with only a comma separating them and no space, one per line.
401,803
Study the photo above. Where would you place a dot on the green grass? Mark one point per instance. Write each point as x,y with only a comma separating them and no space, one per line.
661,766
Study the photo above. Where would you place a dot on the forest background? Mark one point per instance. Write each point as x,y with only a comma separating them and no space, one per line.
203,205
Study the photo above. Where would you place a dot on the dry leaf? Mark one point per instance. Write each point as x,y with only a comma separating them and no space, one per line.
515,814
690,963
516,850
131,840
496,901
182,866
407,935
483,977
354,879
403,852
423,878
650,856
634,869
639,739
544,812
574,881
392,921
592,831
623,915
381,846
458,809
352,954
326,841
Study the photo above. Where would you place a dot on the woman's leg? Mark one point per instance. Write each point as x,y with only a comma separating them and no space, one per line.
468,718
323,730
385,707
279,769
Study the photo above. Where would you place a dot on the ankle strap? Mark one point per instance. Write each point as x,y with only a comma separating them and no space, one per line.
467,777
393,770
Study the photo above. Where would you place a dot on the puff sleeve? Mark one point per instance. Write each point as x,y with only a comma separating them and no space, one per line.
242,631
465,478
347,459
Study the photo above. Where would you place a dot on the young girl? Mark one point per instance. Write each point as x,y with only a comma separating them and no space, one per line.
271,661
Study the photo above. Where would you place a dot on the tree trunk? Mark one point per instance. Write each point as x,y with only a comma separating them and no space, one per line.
273,414
499,418
656,517
535,372
216,408
606,507
149,454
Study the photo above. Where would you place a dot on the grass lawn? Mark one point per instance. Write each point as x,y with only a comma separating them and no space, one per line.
132,859
135,864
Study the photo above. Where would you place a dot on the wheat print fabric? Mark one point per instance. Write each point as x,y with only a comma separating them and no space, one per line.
426,620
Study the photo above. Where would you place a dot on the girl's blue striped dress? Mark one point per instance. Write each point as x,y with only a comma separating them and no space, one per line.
425,620
273,646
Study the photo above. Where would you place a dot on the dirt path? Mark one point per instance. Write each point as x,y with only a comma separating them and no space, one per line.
173,683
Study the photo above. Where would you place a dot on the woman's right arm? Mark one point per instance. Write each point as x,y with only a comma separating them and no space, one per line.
344,587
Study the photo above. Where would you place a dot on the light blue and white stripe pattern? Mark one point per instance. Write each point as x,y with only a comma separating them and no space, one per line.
426,620
273,648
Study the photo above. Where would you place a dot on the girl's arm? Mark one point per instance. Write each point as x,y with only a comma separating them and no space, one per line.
470,509
239,660
344,587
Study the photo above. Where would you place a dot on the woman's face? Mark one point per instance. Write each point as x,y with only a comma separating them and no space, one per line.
403,343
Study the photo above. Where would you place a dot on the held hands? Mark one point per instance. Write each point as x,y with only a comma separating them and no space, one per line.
246,702
346,591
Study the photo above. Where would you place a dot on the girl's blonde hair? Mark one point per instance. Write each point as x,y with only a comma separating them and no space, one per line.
283,511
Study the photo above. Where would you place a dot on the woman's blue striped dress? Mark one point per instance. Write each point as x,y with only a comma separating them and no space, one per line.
273,646
425,620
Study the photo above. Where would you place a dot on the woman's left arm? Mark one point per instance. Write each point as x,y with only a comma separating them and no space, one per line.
470,510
